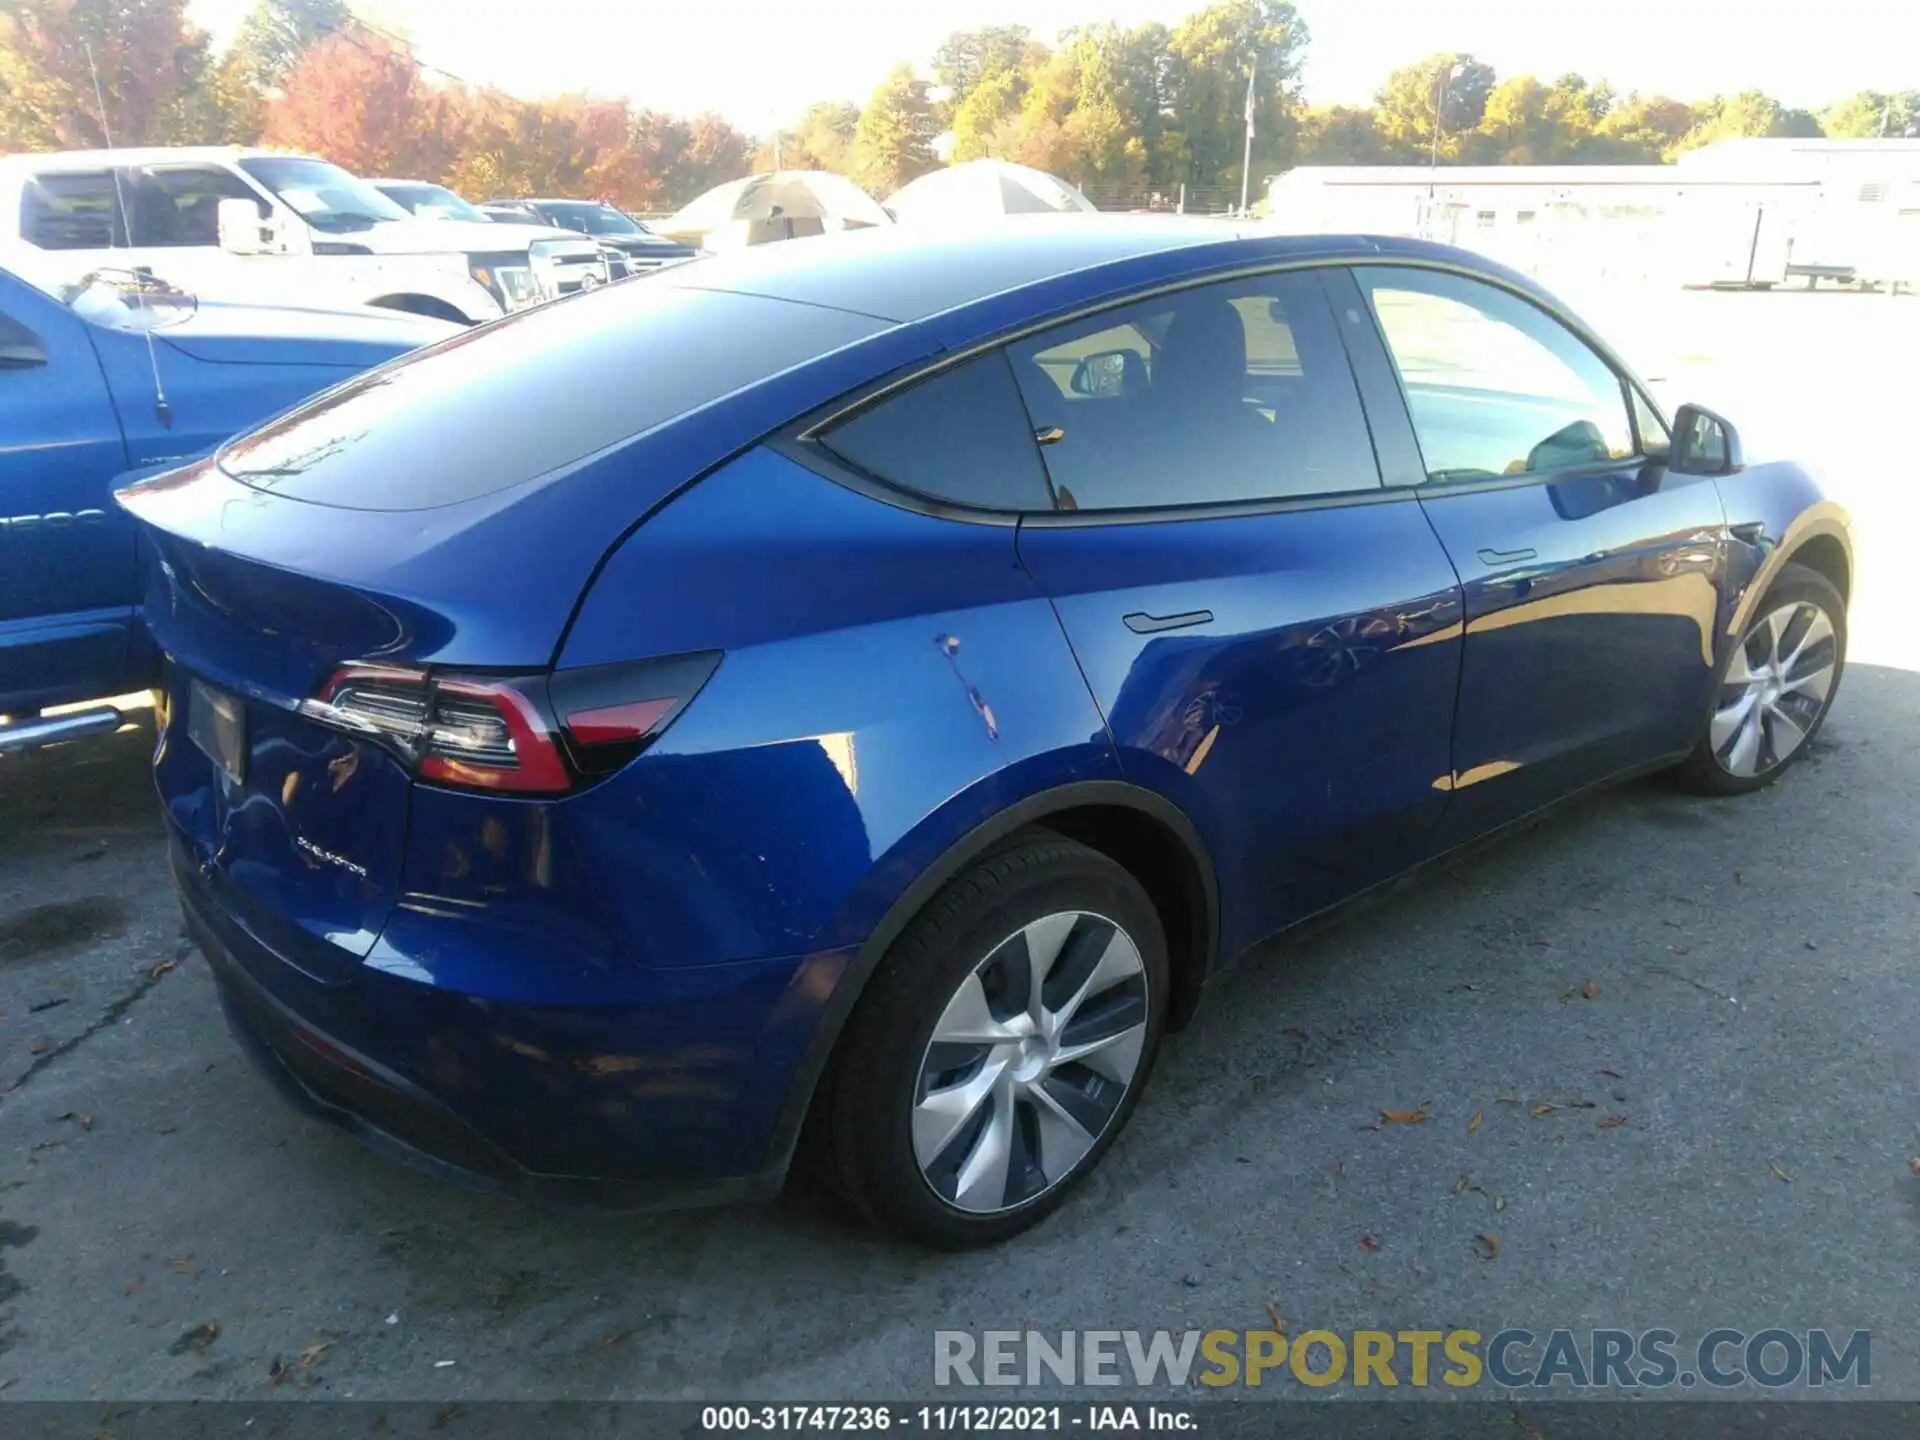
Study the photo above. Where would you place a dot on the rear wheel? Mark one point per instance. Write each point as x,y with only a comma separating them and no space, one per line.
1001,1046
1776,686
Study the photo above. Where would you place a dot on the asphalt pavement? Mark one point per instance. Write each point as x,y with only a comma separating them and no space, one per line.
1663,1048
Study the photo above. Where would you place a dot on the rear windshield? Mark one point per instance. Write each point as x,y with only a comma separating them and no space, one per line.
515,399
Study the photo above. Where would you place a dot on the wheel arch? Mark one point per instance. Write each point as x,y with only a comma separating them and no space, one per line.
1820,538
432,306
1138,828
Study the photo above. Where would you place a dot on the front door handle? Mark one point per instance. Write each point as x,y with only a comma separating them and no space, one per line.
1142,623
1507,557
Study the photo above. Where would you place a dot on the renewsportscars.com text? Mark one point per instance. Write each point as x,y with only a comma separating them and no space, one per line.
1513,1358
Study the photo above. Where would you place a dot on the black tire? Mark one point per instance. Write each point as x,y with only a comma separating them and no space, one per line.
877,1072
1701,772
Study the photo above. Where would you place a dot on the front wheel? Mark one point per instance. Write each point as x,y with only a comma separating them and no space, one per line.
1776,686
1001,1046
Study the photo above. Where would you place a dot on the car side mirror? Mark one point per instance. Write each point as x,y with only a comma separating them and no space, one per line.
1704,443
1103,374
20,348
244,231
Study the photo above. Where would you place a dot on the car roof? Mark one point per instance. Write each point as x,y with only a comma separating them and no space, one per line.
144,155
1035,265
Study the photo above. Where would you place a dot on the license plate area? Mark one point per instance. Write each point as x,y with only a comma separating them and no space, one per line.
217,724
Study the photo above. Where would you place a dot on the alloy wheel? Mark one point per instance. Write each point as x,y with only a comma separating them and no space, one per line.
1774,690
1030,1061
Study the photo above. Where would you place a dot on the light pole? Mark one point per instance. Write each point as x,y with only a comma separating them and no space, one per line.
1452,72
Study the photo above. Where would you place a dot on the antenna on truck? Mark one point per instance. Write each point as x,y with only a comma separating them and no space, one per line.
162,411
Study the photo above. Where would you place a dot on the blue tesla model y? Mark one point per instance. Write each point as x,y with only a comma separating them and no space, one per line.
848,698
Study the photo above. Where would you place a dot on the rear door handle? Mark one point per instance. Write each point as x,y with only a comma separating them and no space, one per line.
1142,623
1507,557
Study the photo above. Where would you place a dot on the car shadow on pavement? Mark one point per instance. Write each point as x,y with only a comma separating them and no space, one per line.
1594,966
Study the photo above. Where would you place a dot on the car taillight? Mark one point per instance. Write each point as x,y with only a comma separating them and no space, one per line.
529,734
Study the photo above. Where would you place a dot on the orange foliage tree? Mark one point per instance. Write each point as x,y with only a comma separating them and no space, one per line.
363,104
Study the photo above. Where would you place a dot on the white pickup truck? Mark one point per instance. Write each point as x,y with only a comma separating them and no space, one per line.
263,225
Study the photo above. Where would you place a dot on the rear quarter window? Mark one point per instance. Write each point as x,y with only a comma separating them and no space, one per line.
960,436
517,399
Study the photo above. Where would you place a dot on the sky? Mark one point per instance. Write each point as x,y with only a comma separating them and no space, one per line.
760,62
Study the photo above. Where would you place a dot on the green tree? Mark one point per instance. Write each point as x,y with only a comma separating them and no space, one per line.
1410,102
1751,114
893,141
982,121
1871,115
1212,54
276,33
1344,135
967,58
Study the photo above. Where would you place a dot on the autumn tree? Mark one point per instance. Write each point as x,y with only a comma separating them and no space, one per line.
151,65
893,143
362,103
1643,129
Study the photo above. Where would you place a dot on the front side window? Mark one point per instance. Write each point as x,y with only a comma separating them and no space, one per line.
1496,386
180,205
1236,391
959,436
75,211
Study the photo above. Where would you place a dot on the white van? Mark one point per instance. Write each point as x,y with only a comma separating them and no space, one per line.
262,225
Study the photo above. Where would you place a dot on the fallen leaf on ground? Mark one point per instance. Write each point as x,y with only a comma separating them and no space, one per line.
1473,1125
1499,1202
135,1283
157,971
1542,942
39,1047
607,1342
1542,1109
1506,1099
310,1356
1370,1245
1612,1121
1279,1325
1340,1167
1914,1164
1520,1423
1590,991
1489,1247
1404,1117
1778,1173
1739,877
1611,1074
79,1117
1460,1186
182,1264
196,1338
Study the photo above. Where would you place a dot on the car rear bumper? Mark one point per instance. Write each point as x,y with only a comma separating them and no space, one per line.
522,1098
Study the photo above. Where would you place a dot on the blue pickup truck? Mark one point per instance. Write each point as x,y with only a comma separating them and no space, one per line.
116,373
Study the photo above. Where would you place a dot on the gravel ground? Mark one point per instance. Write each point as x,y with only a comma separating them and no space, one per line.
1735,980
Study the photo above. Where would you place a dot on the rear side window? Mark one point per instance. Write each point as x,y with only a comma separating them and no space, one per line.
961,436
75,211
1237,391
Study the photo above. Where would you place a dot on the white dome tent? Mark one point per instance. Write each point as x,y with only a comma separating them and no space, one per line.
978,188
779,205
